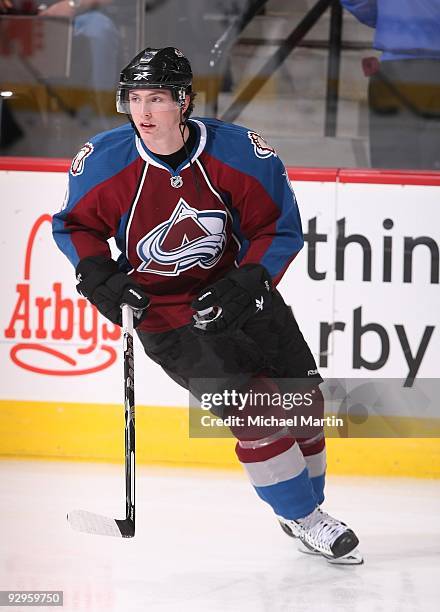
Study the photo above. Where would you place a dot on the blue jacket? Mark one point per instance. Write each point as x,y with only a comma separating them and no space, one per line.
404,28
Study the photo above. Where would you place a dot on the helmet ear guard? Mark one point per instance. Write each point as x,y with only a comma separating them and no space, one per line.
181,97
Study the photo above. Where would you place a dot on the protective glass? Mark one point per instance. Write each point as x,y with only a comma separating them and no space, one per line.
129,101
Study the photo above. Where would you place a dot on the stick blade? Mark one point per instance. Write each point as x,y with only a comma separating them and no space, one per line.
97,524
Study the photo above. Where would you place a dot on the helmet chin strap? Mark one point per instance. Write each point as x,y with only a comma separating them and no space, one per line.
182,126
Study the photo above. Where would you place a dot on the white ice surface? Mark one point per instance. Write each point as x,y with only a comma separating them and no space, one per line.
204,541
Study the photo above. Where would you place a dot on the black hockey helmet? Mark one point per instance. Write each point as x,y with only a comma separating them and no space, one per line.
165,68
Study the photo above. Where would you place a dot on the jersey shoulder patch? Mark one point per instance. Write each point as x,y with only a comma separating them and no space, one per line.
261,148
78,162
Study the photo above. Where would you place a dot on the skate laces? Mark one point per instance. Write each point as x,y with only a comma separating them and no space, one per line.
321,527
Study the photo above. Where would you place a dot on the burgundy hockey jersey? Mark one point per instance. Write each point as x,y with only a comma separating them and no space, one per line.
180,230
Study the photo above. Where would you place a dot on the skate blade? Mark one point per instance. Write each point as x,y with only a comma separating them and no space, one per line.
352,558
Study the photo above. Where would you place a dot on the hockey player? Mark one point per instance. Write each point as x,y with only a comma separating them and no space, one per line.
207,223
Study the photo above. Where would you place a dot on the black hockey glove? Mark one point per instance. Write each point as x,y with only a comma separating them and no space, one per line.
231,301
101,282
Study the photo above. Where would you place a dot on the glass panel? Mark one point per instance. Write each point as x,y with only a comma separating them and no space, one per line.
360,87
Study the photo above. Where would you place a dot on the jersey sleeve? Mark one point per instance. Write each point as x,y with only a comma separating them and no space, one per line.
270,220
81,231
90,214
266,222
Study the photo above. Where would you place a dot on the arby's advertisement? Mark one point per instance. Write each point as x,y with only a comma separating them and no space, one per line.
365,290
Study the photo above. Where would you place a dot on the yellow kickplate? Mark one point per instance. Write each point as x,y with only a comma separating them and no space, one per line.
63,430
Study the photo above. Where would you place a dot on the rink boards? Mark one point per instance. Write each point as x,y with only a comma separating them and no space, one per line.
365,290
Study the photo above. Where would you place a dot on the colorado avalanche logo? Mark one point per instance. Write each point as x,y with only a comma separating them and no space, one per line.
261,148
189,238
77,166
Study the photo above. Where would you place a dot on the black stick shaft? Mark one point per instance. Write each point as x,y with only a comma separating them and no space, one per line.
130,443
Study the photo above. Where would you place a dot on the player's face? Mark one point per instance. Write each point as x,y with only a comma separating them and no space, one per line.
155,113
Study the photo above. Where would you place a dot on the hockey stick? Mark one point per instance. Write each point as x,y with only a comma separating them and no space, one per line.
88,522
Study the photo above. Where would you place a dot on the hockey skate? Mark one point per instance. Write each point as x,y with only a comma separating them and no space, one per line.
321,534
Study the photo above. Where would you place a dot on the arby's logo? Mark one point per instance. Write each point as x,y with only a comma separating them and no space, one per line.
57,335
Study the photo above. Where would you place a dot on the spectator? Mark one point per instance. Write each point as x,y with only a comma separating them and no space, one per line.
404,88
97,30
